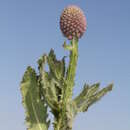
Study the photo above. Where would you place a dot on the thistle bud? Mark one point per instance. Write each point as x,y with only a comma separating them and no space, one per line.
73,22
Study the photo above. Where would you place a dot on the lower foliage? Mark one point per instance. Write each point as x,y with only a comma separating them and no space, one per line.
54,89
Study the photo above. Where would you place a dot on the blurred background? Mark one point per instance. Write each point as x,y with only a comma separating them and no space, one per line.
29,28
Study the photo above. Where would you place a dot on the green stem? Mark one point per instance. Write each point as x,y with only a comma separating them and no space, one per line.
57,122
66,113
70,75
63,123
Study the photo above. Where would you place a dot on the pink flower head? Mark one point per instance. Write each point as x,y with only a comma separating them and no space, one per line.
73,22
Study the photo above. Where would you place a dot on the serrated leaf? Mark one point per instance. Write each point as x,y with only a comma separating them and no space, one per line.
36,111
48,83
93,89
89,96
57,67
87,92
97,96
81,97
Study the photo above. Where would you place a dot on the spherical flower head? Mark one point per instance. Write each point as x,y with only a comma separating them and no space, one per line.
73,22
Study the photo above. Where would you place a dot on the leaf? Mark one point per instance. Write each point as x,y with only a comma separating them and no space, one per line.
81,97
36,111
93,89
47,84
86,93
89,96
57,67
98,95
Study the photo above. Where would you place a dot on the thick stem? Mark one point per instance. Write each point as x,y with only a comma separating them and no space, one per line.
64,119
57,123
63,123
66,116
70,75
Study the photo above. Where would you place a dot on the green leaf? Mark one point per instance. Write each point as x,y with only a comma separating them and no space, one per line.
98,95
47,85
93,89
81,97
89,96
36,111
57,67
85,94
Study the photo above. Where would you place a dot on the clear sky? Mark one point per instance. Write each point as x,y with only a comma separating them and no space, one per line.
29,28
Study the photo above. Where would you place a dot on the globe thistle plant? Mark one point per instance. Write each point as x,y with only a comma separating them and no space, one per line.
53,89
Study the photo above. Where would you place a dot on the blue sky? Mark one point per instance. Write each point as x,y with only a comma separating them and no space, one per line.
29,28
